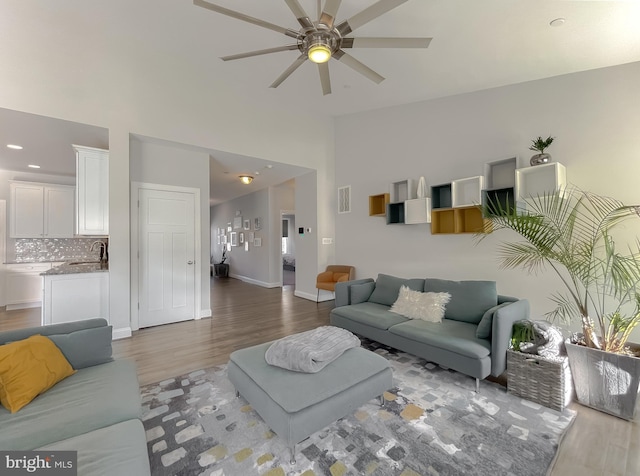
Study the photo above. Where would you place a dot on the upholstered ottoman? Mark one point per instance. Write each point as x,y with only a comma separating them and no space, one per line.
295,405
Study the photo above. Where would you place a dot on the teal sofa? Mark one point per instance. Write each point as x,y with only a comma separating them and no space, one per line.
95,411
473,337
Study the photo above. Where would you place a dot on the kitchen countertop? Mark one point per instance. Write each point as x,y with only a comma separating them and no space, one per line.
77,267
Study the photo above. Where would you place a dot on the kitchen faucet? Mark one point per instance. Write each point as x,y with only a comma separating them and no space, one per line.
104,250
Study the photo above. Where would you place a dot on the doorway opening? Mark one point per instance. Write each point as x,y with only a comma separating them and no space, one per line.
288,249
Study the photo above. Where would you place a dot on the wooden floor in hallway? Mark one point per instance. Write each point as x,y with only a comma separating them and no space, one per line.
243,315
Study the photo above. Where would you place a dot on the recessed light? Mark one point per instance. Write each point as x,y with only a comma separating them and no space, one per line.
34,166
14,146
557,22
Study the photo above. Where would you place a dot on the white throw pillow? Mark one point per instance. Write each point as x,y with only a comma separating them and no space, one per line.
416,305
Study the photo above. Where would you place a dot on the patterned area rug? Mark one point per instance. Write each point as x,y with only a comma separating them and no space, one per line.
432,423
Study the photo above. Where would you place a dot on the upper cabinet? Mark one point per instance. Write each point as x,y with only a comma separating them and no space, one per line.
39,210
92,191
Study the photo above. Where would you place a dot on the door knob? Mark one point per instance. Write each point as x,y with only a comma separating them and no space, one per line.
189,262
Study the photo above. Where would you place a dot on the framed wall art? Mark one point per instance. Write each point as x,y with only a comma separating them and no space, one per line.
246,225
234,238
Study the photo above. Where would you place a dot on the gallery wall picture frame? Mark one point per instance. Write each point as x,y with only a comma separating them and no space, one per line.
237,223
246,225
257,223
234,238
218,239
228,246
241,237
257,242
229,228
223,239
246,246
252,236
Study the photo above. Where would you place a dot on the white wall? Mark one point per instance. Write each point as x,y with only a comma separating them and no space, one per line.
308,247
595,117
89,62
166,164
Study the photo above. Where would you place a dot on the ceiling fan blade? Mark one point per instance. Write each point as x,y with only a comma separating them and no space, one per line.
370,13
329,13
295,65
260,52
325,79
300,14
319,10
247,18
386,42
358,66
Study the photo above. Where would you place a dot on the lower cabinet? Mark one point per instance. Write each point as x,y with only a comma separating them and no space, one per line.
24,284
75,297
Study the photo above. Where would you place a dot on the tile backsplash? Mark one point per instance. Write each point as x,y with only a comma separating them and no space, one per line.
29,250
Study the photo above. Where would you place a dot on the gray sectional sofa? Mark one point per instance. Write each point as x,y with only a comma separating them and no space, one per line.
472,338
95,411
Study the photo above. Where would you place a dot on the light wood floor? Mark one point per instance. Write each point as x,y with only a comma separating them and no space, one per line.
243,315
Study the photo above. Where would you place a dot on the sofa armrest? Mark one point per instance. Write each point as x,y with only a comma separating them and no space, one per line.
343,290
54,329
502,330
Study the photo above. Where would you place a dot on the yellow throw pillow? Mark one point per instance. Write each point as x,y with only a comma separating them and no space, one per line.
28,368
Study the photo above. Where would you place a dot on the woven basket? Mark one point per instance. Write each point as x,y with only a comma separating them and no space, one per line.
544,381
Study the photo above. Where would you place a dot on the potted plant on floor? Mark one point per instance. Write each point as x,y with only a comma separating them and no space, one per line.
221,269
572,234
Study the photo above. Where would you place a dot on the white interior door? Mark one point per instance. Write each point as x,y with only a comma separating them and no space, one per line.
166,257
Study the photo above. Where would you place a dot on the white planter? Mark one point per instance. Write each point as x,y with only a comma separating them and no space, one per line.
605,381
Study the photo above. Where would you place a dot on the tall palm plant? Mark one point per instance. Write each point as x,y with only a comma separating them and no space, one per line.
571,233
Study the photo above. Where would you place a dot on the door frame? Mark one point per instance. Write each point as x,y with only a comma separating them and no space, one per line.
282,213
135,245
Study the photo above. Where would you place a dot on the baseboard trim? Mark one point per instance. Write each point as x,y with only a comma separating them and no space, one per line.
204,313
255,281
121,333
23,305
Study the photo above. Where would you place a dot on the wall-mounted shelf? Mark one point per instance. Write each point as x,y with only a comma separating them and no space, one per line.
395,213
378,205
540,180
441,196
500,174
457,220
403,190
466,192
417,211
498,202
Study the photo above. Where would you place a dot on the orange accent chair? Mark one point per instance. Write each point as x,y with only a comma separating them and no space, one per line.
334,273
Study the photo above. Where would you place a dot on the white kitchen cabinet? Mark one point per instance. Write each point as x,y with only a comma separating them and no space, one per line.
39,210
24,284
92,191
75,297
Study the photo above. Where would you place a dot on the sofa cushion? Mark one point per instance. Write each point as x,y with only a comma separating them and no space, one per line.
454,336
469,299
486,323
92,398
64,328
361,292
388,288
371,314
111,451
28,368
86,347
417,305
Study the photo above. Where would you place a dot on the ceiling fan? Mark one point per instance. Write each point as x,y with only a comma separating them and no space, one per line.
322,40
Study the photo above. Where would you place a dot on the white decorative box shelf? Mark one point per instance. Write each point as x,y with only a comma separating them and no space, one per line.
403,190
417,211
540,180
500,174
466,192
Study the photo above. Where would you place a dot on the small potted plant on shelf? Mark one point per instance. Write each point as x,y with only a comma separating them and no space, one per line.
540,145
572,234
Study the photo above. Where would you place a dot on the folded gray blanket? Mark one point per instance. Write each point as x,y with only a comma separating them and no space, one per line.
312,350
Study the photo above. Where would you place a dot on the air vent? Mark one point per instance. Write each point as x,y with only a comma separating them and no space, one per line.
344,199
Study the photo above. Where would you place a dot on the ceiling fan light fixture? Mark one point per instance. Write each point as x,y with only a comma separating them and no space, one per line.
246,179
319,53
